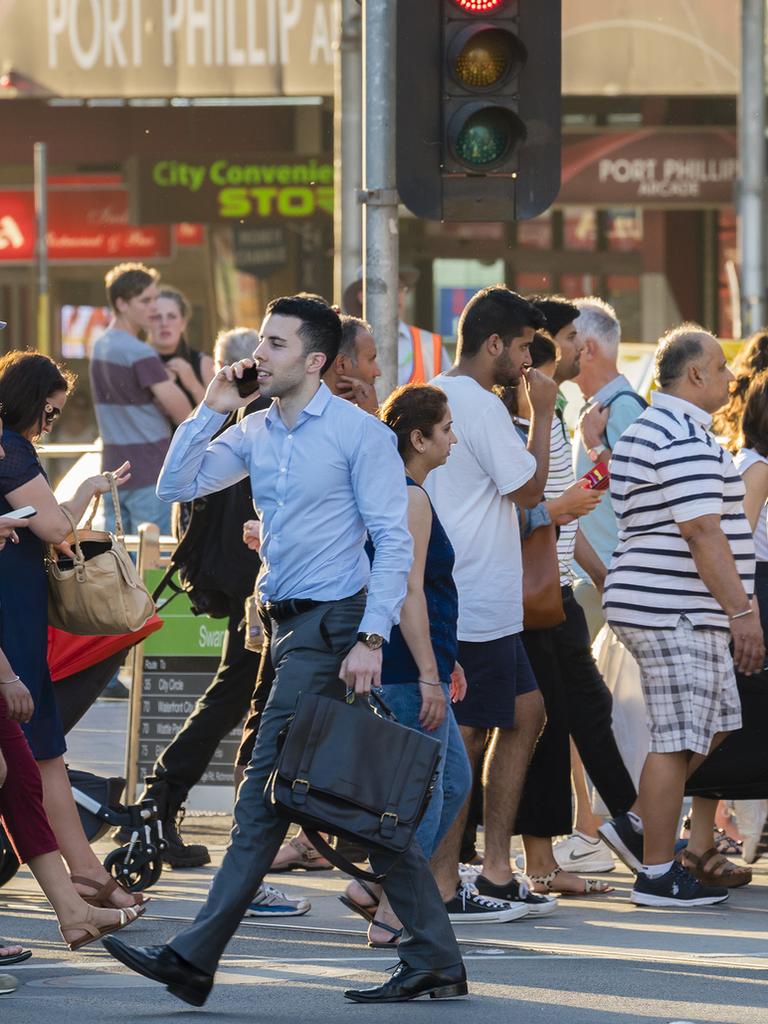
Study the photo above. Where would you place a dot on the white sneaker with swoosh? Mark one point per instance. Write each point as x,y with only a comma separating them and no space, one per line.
578,852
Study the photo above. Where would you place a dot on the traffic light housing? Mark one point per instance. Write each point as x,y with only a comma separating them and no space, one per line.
478,107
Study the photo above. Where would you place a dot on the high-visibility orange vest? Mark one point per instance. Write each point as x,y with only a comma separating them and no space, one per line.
418,338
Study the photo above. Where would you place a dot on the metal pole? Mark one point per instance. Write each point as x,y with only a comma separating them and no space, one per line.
41,248
348,146
380,291
752,207
147,557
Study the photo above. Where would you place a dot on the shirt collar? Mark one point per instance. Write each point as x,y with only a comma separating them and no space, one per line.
613,387
315,407
679,406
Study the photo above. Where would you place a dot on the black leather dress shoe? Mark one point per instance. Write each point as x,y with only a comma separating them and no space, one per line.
160,963
408,983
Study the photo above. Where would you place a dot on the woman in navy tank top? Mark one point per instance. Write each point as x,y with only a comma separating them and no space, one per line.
420,675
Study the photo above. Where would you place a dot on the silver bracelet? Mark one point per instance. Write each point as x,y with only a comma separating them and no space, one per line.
428,682
740,615
7,682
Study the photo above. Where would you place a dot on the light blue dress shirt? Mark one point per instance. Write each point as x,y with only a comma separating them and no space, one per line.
317,488
599,526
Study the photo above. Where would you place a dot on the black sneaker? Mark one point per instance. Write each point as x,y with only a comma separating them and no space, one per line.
676,888
469,907
625,842
517,892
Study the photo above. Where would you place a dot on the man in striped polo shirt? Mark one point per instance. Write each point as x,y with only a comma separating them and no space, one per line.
679,592
137,404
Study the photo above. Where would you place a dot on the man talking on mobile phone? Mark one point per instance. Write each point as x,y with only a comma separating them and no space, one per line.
318,467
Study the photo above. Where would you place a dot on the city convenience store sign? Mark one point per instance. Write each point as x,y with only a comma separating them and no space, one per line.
274,189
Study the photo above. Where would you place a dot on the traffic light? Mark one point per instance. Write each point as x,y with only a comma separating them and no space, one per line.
478,107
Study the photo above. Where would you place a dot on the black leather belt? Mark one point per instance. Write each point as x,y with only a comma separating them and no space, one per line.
282,610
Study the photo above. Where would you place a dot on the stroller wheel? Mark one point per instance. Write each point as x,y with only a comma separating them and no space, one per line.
9,862
136,870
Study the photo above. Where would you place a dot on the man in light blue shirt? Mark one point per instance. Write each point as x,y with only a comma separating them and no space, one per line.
323,474
611,406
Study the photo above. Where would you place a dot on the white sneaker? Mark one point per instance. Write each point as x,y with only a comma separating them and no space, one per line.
578,852
469,872
271,902
750,816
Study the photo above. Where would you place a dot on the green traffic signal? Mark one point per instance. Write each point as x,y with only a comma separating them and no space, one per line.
487,137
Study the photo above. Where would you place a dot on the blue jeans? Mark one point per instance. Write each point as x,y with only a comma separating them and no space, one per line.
141,505
454,773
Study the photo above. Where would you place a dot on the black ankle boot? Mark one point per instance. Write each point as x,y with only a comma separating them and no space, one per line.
171,813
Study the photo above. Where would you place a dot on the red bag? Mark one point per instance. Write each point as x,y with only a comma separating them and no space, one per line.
68,653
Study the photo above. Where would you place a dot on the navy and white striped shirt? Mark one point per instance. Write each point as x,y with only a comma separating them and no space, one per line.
668,469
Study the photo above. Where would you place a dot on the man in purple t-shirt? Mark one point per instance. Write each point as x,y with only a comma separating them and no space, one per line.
135,400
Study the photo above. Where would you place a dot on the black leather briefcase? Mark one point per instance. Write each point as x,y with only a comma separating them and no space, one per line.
354,771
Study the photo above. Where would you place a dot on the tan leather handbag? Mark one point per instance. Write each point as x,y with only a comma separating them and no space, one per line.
102,595
542,597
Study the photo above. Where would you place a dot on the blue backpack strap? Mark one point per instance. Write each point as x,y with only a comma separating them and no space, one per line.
619,394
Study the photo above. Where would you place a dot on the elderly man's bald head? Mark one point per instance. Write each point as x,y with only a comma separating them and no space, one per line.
678,348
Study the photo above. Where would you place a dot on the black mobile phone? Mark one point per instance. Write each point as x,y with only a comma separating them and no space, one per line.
248,384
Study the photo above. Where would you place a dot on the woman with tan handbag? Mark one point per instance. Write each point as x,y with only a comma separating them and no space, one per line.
33,392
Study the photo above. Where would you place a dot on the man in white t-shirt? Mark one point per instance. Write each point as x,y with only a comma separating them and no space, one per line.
474,496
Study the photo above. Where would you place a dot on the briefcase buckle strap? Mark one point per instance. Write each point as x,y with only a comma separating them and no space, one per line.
387,828
300,789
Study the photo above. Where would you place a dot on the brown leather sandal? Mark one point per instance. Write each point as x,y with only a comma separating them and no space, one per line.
101,894
127,916
712,868
307,858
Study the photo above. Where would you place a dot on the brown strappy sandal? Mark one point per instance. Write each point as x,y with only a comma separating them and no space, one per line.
127,916
712,868
307,859
101,894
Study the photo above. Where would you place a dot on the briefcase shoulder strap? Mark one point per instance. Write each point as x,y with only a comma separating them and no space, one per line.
340,861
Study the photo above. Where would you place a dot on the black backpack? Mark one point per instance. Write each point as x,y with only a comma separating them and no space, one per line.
213,565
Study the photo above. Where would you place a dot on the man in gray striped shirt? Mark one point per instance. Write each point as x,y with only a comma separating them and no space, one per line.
679,592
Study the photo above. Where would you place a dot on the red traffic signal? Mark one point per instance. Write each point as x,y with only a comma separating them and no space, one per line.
478,117
479,6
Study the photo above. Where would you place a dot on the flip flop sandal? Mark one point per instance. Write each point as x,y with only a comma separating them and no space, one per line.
102,893
395,932
712,868
127,916
365,910
14,958
592,886
304,861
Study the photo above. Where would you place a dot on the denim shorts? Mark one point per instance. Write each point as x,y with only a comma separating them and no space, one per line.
498,672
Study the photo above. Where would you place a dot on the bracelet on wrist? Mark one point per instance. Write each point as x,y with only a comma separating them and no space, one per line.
740,615
430,682
7,682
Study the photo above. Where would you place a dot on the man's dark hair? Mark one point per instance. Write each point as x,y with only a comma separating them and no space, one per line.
27,381
126,281
350,326
676,349
494,310
320,330
557,311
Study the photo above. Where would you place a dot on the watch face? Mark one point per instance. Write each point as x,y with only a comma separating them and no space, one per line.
374,641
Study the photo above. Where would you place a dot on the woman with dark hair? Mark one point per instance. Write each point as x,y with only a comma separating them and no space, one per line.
748,436
192,370
33,393
419,672
751,360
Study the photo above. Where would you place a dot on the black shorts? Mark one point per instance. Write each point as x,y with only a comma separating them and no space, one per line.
498,672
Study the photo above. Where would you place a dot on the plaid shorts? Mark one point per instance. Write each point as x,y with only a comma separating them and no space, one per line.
689,684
